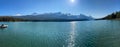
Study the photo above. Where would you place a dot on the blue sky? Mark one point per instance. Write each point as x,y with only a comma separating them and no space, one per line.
95,8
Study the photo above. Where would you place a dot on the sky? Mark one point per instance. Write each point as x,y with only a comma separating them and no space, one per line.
94,8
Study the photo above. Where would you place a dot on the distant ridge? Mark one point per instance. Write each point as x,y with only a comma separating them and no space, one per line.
55,16
9,18
58,16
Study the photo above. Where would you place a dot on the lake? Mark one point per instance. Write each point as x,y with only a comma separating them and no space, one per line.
100,33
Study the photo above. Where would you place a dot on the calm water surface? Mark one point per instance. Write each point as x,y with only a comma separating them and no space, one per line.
104,33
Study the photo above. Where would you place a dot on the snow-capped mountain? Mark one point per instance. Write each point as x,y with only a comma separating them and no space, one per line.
55,16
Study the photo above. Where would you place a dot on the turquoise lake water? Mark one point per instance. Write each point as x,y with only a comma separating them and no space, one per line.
104,33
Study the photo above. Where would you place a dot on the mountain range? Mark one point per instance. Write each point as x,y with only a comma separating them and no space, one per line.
54,17
58,16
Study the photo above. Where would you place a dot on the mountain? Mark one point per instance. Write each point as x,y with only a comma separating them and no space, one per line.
54,17
115,15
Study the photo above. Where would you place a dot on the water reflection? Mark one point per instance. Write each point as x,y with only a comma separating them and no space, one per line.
61,34
72,34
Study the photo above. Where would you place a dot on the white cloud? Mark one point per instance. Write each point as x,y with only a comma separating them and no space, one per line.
18,14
